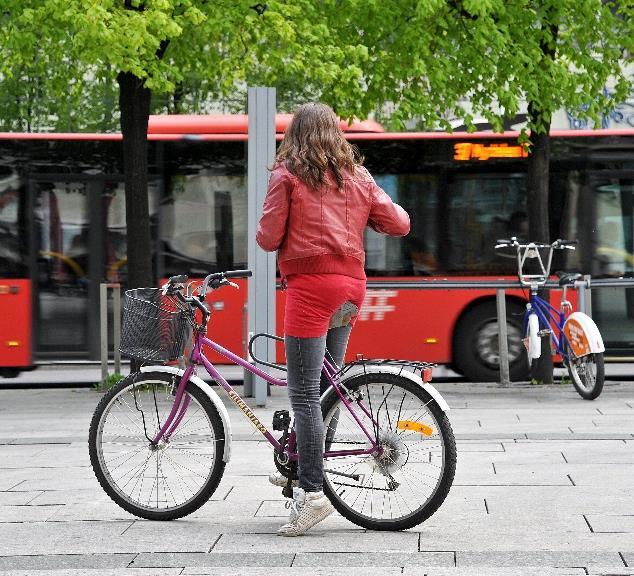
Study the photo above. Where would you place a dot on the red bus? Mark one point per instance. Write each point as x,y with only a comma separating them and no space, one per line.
62,232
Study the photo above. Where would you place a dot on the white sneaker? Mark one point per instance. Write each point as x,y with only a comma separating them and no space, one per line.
307,509
278,479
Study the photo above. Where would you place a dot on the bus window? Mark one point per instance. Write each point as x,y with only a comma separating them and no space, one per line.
12,235
613,308
415,254
204,224
481,209
614,229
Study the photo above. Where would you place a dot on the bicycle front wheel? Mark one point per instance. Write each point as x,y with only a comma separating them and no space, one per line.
410,478
171,479
587,374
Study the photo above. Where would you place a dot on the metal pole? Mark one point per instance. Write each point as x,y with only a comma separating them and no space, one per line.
103,323
116,325
500,299
260,155
587,294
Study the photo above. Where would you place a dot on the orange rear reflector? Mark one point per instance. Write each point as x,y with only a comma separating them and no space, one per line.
426,373
415,426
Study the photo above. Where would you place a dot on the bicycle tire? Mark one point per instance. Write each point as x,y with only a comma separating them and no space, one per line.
534,342
136,398
589,386
340,490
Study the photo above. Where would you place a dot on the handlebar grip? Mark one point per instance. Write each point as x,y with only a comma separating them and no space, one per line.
182,278
238,274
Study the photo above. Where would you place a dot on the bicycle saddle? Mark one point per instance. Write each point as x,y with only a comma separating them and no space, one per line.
568,278
343,315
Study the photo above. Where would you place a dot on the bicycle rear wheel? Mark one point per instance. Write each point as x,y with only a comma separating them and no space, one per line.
161,482
407,483
587,374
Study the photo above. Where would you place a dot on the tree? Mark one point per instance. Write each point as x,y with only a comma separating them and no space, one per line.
153,47
498,55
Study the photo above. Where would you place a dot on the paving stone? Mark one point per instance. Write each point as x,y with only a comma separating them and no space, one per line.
560,445
569,559
59,561
40,538
544,477
610,571
78,496
470,459
255,571
375,559
628,556
17,498
471,446
496,571
612,523
27,513
521,518
321,539
162,559
624,456
100,572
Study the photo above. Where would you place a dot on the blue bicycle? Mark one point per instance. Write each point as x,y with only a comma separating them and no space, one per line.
574,336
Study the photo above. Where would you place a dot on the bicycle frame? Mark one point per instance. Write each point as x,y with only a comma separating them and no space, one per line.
549,316
181,401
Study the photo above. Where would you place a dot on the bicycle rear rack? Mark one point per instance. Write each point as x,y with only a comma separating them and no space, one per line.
424,368
257,360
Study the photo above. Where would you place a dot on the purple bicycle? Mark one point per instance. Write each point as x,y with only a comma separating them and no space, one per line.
160,439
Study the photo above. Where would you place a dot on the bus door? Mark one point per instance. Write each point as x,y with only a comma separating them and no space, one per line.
78,232
65,253
15,285
607,250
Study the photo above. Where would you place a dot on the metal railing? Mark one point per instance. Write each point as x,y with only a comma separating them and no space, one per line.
583,288
116,327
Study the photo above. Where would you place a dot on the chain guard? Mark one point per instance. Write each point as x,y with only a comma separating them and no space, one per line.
288,470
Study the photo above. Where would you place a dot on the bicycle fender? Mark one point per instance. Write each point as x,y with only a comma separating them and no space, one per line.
442,404
583,335
213,396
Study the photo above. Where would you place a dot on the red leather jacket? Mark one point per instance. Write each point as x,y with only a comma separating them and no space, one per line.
321,231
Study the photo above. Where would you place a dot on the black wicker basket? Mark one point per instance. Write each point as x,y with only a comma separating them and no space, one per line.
155,327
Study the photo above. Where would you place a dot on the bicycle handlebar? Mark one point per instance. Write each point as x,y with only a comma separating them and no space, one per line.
558,244
217,279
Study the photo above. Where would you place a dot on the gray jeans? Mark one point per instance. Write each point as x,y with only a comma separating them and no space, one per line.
304,359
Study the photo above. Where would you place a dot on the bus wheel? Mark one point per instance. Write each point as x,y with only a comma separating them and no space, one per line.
476,350
9,372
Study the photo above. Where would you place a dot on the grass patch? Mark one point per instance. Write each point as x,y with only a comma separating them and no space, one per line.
109,382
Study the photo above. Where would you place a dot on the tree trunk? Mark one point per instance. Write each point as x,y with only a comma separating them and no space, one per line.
538,224
134,102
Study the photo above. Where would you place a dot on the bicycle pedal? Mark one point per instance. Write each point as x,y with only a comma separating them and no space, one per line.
281,420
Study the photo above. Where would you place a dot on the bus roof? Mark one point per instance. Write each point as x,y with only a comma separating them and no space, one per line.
234,124
226,127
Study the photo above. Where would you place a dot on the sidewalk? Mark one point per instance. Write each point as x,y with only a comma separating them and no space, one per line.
543,487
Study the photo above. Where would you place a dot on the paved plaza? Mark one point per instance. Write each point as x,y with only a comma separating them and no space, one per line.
544,486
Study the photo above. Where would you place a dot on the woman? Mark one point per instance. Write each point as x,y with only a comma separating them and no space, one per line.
319,201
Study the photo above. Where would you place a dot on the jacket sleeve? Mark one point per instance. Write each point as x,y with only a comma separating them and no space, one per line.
386,216
272,225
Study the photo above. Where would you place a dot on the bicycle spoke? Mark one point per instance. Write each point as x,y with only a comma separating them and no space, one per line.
398,481
162,477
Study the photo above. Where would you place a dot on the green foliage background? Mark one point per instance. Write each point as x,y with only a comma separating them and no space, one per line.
402,60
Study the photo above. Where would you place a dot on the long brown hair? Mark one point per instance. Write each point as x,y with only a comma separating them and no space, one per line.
314,144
